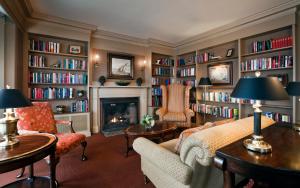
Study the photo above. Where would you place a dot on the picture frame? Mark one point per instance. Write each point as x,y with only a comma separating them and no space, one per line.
229,52
221,73
120,66
74,49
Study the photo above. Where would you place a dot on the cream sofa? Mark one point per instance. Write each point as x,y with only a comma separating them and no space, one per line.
193,167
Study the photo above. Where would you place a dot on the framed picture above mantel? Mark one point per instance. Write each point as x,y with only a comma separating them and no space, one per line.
220,74
120,66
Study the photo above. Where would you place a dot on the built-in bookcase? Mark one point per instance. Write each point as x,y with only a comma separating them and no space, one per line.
58,73
271,54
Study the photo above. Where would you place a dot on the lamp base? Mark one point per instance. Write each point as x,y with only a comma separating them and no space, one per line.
9,143
296,127
257,144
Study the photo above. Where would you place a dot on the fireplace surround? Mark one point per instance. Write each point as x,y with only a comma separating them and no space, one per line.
118,113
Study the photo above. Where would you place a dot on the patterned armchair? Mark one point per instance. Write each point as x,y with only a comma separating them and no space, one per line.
175,104
39,118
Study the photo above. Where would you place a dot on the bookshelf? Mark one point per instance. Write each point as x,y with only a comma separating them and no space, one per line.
60,77
162,67
217,103
270,53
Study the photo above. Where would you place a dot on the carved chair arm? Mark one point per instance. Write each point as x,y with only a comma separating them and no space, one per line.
66,123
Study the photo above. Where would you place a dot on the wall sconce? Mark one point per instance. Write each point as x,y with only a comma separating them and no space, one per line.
96,59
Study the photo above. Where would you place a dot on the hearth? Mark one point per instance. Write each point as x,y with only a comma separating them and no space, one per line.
118,113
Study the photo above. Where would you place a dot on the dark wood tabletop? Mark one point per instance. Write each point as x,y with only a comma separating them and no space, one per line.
30,149
281,167
159,128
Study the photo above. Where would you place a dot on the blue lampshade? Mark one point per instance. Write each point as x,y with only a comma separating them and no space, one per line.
293,88
260,88
13,98
204,81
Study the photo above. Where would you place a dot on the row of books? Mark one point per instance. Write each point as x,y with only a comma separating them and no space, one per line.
259,46
51,93
267,63
58,78
80,106
156,101
278,117
220,111
73,64
37,61
186,72
44,46
161,81
186,60
156,91
188,82
204,57
219,97
160,71
165,61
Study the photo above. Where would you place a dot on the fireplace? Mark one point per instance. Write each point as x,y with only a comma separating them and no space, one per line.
118,113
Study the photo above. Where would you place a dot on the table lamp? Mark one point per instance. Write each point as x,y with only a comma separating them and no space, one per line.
10,98
293,89
205,83
259,88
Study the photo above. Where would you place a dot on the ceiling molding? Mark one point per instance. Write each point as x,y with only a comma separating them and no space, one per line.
288,7
59,20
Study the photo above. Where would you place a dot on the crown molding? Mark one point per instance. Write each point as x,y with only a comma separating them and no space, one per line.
156,42
62,21
283,9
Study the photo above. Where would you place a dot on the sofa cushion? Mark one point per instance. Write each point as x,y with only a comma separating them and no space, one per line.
169,145
202,145
174,116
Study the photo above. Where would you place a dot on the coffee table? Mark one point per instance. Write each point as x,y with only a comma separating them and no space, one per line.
157,132
30,149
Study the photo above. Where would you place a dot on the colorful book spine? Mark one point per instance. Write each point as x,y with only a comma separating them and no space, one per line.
73,64
259,46
51,93
186,72
187,60
165,61
274,62
278,117
160,71
36,61
156,91
80,106
204,57
156,101
57,78
219,111
161,81
218,97
44,46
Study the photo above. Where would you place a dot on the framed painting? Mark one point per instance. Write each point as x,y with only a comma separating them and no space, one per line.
220,74
120,66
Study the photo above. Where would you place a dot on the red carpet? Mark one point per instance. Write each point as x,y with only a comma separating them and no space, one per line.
106,166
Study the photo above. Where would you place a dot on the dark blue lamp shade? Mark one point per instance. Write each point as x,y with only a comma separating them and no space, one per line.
260,88
13,98
293,88
205,81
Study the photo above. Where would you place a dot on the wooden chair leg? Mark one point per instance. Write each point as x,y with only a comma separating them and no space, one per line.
146,179
21,172
83,156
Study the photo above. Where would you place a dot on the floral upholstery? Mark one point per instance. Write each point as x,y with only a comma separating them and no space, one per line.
68,141
39,118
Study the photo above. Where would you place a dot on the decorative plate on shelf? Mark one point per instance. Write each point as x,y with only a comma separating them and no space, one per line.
122,83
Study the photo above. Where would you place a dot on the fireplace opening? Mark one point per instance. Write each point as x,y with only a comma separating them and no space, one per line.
118,113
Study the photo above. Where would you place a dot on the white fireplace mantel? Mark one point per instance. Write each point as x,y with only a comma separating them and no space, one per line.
116,92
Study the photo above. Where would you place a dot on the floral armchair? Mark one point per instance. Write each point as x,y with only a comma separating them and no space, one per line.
175,104
39,118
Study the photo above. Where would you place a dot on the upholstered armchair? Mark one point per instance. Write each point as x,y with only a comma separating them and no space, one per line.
39,118
175,104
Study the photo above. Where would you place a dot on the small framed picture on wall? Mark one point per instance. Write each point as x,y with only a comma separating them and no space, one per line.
229,52
120,66
220,74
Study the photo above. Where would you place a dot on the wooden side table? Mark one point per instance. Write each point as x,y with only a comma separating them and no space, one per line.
31,149
281,168
159,131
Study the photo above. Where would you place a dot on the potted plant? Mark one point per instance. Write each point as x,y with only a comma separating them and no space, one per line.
102,80
148,121
139,81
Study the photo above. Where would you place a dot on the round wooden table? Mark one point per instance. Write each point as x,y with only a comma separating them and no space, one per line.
158,132
30,149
